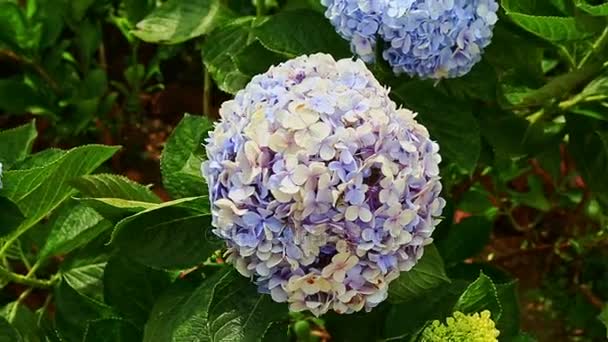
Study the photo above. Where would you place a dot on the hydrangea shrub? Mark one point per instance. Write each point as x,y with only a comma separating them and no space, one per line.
426,38
323,189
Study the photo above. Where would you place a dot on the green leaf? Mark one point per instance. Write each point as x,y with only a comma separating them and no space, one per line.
86,278
23,320
74,311
16,144
40,190
289,33
172,235
466,239
19,96
111,330
428,274
114,186
505,132
604,318
181,160
404,319
88,38
225,307
138,9
75,226
115,208
552,28
597,10
535,197
256,59
449,121
355,327
560,85
10,216
480,295
132,288
176,21
79,8
7,332
277,331
40,159
508,324
221,48
14,30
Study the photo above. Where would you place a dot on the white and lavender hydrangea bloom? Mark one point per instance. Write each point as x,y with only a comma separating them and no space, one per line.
322,188
425,38
0,175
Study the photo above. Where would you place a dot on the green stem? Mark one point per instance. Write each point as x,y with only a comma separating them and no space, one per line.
207,93
25,280
44,307
598,45
13,312
26,262
260,8
10,239
37,68
32,271
568,56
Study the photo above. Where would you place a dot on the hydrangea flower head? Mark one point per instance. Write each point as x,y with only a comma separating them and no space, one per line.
425,38
0,175
323,189
462,328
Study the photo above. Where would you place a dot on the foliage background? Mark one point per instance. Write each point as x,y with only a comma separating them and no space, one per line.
524,138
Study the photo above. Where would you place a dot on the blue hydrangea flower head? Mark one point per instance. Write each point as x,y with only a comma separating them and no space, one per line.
323,189
425,38
477,327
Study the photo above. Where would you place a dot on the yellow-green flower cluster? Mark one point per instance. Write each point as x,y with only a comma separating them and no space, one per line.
462,328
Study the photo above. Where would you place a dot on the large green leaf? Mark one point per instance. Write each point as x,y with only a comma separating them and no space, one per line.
172,235
225,307
448,120
221,48
357,327
552,28
455,247
74,226
14,30
428,274
404,319
597,10
23,320
40,159
138,9
111,330
604,318
74,311
16,144
115,209
181,160
113,186
86,277
176,21
132,288
10,216
480,295
7,332
291,33
40,190
508,324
